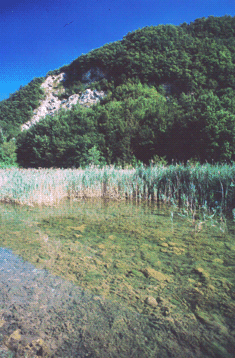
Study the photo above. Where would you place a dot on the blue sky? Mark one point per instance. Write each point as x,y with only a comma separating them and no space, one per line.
33,39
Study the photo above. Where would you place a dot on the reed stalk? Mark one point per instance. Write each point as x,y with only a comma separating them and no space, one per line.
188,186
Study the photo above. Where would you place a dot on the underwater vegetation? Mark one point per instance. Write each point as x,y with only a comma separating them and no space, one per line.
172,267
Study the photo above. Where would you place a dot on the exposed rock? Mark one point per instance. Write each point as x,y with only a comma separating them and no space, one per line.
151,301
150,272
165,310
91,97
52,104
2,322
93,74
164,250
178,250
218,261
34,348
168,87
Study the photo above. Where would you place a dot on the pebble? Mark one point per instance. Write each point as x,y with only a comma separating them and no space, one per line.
151,301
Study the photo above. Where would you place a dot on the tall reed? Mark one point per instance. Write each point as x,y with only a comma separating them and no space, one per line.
191,186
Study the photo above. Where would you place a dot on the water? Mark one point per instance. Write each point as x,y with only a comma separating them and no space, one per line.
129,280
66,320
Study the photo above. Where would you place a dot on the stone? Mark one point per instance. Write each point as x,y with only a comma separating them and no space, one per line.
151,301
93,74
2,322
190,280
178,250
165,311
164,250
202,272
172,243
151,273
218,261
13,340
51,104
33,347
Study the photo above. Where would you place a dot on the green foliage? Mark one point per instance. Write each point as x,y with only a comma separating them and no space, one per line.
8,153
190,57
133,123
169,94
94,157
19,107
62,140
219,27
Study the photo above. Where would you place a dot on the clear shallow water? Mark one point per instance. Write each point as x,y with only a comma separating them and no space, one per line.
70,321
148,282
11,265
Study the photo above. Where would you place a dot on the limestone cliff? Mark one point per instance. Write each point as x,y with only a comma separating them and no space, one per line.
53,87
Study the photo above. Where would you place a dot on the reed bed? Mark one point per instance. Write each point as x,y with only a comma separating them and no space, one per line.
210,186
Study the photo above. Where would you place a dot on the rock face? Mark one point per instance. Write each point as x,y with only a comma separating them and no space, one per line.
92,75
53,87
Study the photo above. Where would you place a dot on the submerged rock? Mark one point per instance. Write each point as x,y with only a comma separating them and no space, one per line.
26,346
202,273
150,272
151,301
13,340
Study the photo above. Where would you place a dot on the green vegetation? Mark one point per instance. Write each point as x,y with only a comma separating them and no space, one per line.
8,154
131,124
169,110
19,107
192,187
176,272
169,94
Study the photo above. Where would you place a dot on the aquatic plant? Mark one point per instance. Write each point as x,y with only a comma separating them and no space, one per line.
180,281
188,186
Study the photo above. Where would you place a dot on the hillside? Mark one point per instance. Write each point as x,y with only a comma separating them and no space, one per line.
53,100
161,92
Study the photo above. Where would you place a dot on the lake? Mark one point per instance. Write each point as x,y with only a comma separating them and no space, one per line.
102,278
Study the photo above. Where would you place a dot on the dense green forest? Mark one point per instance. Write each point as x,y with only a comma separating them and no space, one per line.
170,95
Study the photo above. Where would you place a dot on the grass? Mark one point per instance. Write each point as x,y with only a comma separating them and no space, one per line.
192,187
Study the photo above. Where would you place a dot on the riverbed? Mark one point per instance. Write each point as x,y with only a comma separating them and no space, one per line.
115,280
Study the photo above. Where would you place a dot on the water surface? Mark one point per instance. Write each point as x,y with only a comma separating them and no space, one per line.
146,280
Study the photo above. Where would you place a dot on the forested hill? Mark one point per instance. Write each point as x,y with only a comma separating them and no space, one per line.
191,57
170,93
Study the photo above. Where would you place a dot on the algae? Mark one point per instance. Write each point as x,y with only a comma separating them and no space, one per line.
133,255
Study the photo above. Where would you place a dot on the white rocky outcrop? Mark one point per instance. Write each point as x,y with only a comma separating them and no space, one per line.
53,87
